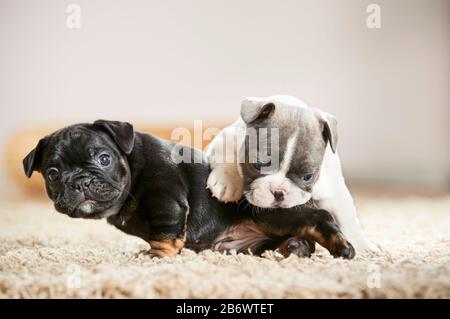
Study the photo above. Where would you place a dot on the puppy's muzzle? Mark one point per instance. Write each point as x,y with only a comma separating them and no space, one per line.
278,196
81,184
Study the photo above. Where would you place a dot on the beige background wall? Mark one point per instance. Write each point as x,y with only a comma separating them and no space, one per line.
153,61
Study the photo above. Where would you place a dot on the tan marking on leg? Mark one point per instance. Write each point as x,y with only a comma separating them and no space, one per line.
311,233
335,244
338,244
166,247
169,247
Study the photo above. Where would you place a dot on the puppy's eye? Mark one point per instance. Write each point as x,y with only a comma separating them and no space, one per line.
53,174
307,177
104,159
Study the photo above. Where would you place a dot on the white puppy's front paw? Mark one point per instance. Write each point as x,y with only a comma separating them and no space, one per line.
373,248
225,184
364,245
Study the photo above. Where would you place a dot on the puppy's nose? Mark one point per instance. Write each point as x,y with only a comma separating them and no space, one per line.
81,184
76,186
278,195
86,182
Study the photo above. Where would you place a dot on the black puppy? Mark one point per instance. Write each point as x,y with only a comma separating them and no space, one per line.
107,170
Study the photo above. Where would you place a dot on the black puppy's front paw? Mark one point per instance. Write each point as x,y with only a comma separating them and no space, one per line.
340,247
296,246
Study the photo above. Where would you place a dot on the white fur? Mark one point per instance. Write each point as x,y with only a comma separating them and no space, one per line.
290,149
261,191
225,180
329,192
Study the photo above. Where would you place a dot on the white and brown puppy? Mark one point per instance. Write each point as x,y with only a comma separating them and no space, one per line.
282,153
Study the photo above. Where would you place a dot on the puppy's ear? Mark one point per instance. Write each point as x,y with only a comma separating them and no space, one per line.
121,132
330,129
253,110
32,161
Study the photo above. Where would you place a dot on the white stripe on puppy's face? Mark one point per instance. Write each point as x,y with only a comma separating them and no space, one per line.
289,153
276,190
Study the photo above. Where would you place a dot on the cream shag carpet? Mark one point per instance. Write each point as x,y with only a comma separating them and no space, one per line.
45,254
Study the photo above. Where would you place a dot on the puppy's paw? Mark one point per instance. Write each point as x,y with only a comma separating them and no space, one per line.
299,247
340,247
373,248
165,248
364,246
225,183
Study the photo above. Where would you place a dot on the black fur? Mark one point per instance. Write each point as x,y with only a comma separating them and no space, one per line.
144,193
